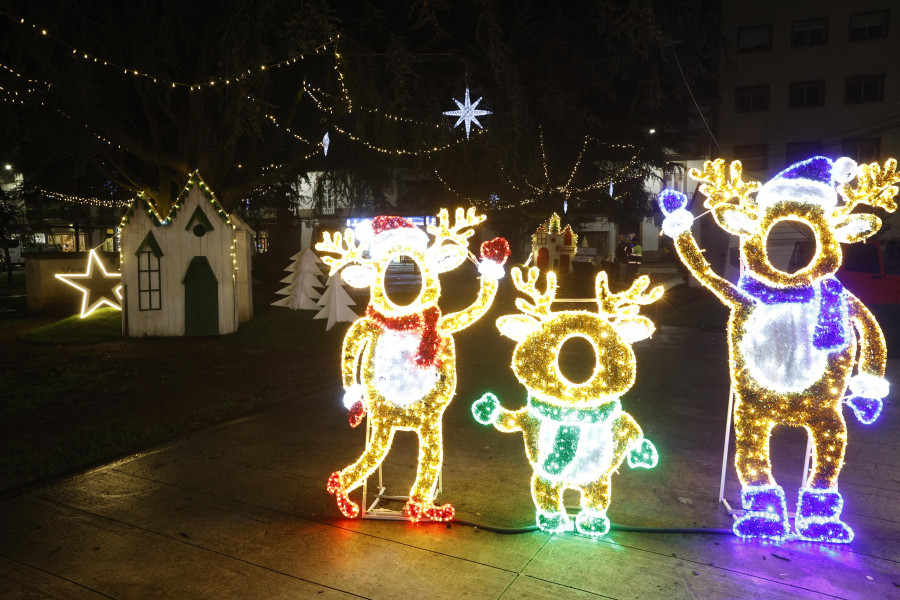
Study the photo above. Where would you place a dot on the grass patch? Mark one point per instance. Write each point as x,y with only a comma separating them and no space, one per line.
103,325
14,287
284,328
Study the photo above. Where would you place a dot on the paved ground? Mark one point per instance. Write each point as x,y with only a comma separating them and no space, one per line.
240,510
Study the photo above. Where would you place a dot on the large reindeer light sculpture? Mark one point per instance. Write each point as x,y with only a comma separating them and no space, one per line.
399,362
576,434
793,337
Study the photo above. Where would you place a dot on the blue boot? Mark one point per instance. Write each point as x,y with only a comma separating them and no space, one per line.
817,517
765,513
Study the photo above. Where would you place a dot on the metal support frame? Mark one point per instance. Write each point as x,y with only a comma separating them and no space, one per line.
736,512
373,510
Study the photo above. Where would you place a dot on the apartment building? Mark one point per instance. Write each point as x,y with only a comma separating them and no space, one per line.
808,77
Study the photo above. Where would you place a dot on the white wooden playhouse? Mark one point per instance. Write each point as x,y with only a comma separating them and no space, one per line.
187,273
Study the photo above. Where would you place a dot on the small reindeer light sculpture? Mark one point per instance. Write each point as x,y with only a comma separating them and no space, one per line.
793,338
576,434
399,362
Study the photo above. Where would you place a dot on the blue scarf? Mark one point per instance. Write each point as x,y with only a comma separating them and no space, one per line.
830,333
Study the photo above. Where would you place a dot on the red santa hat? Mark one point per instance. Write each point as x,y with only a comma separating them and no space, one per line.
392,233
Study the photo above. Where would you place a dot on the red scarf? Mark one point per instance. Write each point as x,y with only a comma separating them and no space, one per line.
424,323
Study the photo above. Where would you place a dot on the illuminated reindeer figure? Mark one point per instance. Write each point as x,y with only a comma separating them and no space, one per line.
399,362
576,434
793,337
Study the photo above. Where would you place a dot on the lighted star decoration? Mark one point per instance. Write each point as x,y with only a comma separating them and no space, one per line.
98,286
467,113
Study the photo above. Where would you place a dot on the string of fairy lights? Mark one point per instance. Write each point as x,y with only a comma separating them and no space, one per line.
531,192
333,105
314,94
345,101
313,91
83,55
12,71
92,201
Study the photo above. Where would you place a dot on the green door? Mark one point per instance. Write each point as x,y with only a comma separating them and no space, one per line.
201,299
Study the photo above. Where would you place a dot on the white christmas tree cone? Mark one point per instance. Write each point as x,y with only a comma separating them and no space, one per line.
304,275
335,303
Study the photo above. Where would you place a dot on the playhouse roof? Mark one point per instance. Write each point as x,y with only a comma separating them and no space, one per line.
144,203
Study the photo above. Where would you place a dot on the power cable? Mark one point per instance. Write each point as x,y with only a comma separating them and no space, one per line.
613,527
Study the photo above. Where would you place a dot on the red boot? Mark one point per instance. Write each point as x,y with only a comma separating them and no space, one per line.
416,510
348,507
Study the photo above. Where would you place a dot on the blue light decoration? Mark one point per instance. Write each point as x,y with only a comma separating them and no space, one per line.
576,434
794,339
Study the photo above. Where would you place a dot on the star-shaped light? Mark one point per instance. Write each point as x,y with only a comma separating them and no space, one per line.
97,285
467,113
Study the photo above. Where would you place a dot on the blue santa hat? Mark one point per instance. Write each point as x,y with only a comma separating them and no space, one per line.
811,181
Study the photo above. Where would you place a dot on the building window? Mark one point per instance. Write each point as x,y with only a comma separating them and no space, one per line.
862,150
148,281
148,255
262,241
864,88
540,238
869,25
797,151
754,39
751,98
753,157
811,32
806,94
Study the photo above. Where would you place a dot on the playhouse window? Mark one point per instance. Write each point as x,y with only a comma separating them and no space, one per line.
148,281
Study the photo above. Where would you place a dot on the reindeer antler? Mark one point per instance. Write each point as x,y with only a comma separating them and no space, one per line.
718,188
627,302
345,247
874,186
461,230
541,302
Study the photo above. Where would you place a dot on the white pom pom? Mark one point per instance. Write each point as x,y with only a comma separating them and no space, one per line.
490,269
869,386
843,169
355,393
677,222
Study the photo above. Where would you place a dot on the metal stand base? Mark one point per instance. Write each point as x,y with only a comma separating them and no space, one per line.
374,510
737,512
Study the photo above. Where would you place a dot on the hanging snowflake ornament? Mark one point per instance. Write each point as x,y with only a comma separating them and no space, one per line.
467,113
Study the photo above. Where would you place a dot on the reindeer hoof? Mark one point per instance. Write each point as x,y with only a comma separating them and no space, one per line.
348,507
416,511
552,521
592,522
765,513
